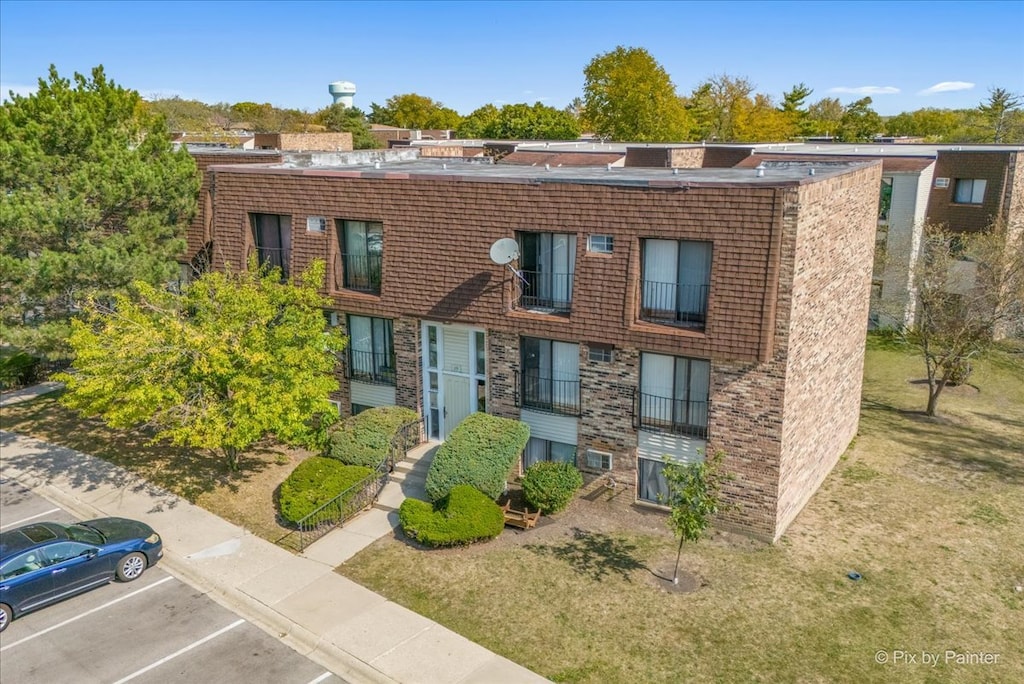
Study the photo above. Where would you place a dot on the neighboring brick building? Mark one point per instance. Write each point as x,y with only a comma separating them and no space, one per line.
304,142
653,311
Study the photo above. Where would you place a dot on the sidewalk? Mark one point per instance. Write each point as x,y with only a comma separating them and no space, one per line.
350,630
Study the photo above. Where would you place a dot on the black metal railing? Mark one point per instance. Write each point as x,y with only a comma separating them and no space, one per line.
373,367
274,257
543,393
678,416
362,495
551,291
674,303
362,272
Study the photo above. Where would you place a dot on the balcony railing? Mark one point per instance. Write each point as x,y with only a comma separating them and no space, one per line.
675,304
551,291
374,367
678,416
542,393
362,272
274,257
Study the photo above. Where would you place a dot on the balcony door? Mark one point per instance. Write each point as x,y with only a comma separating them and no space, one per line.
454,381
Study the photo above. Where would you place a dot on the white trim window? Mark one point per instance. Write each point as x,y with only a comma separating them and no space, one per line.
969,191
675,280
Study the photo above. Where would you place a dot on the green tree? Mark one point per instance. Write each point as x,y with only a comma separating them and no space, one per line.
341,119
414,111
933,124
537,122
694,498
859,123
761,121
794,109
93,197
188,116
628,96
478,123
824,116
718,103
969,291
997,112
235,357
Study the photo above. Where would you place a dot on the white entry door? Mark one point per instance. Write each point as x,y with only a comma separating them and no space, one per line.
454,367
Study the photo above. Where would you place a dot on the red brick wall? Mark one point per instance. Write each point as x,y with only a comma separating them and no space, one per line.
992,166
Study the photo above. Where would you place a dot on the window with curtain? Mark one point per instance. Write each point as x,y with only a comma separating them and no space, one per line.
675,279
550,376
547,263
362,253
674,394
272,234
538,450
969,191
371,350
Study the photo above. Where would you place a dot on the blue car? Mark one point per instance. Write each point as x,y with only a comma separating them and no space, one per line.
46,562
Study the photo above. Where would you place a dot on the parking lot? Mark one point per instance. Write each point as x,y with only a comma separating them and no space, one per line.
153,629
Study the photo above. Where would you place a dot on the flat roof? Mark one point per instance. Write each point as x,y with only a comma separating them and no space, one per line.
484,171
877,149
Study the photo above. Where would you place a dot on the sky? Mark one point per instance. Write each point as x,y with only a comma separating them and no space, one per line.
904,55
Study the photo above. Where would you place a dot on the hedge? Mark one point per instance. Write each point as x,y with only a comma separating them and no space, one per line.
549,486
363,439
463,517
480,452
313,483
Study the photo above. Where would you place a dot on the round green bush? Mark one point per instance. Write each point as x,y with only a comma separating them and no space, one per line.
363,439
549,486
462,517
481,452
313,483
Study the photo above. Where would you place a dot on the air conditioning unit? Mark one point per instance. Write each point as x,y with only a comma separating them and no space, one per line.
336,405
942,182
598,460
316,224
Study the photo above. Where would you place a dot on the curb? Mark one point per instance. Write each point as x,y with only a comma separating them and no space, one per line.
289,632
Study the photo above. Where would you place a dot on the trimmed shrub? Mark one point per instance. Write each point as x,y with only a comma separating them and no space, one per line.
480,452
313,483
549,486
363,439
463,517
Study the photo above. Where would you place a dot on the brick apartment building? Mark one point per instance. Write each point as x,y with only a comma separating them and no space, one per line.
650,312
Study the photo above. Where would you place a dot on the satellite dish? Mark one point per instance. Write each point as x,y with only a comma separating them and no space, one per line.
504,251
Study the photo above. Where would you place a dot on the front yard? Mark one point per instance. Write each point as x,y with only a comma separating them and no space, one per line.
927,511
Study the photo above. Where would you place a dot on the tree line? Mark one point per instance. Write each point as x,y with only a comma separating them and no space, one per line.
629,96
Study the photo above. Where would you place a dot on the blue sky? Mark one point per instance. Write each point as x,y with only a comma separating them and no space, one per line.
905,55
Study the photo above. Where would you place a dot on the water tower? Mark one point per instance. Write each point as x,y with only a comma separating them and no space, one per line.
343,92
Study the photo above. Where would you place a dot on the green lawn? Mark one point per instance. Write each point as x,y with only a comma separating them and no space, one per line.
929,511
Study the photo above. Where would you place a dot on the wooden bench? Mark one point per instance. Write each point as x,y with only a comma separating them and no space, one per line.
522,519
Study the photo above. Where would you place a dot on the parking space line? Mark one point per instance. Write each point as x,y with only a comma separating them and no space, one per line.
321,678
31,517
174,655
82,615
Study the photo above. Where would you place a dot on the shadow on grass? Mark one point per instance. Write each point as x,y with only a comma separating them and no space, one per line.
944,442
594,554
123,458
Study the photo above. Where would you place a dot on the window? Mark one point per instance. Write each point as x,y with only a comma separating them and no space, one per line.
601,244
362,252
550,379
548,262
272,234
674,394
885,199
359,408
538,450
600,353
20,564
598,460
969,191
371,350
651,483
676,277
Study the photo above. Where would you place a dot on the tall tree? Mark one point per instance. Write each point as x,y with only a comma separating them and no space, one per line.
969,291
341,119
997,112
825,116
234,358
762,121
860,123
794,109
718,103
411,110
479,122
526,122
93,197
694,498
628,96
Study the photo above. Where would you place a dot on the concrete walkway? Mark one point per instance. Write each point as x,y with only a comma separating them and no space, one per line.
345,627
